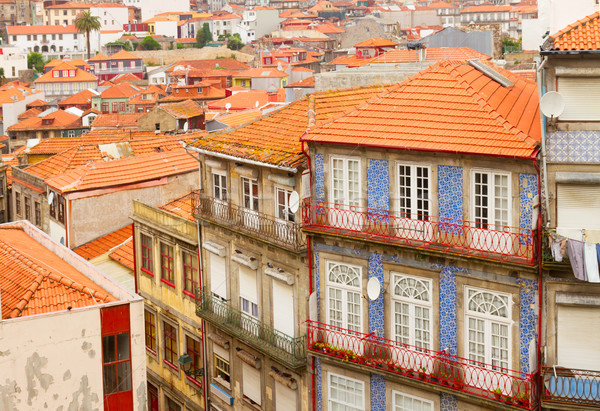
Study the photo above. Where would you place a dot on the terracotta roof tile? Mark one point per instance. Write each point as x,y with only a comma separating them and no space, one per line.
32,112
81,98
117,120
182,110
183,206
239,118
125,77
35,280
57,120
80,75
430,54
244,100
209,64
102,245
122,90
275,137
376,42
582,35
37,103
448,107
124,254
305,83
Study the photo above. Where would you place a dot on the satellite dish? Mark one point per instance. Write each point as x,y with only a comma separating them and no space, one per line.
313,312
552,104
51,197
294,201
373,288
186,126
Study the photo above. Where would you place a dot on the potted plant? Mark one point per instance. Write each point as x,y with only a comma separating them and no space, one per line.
422,373
523,399
498,393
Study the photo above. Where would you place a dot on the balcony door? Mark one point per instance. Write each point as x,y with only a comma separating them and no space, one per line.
284,229
249,298
488,339
414,203
491,210
345,194
220,195
250,202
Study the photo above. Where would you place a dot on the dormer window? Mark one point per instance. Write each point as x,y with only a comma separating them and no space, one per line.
56,74
65,73
71,73
199,90
47,121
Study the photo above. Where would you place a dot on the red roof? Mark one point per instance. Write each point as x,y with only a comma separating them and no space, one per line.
183,206
81,98
117,120
59,29
102,245
57,120
80,75
244,100
124,254
430,54
306,83
376,42
582,35
448,107
121,90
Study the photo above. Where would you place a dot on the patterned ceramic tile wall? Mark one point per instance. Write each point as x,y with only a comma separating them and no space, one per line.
377,392
376,308
316,269
527,320
576,146
448,402
319,384
319,177
528,189
378,185
448,310
450,194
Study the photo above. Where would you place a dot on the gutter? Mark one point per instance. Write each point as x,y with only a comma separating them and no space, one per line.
242,160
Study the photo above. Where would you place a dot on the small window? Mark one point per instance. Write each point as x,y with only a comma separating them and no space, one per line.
38,213
61,209
150,330
167,271
194,350
220,186
170,343
405,402
190,272
146,249
27,208
55,74
221,368
116,363
53,205
18,203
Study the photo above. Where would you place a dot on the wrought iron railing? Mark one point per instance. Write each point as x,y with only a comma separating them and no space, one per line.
291,351
502,243
431,367
276,231
571,386
118,70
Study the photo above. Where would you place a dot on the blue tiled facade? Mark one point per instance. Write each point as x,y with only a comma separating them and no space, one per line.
528,189
450,195
448,339
576,146
377,392
319,178
527,320
378,185
448,402
376,308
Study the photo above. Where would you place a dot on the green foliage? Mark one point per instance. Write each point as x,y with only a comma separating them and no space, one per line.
235,42
207,33
123,44
200,39
149,44
179,46
2,76
510,45
86,23
171,46
134,45
35,61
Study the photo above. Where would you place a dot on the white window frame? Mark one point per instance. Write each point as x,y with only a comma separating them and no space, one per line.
414,199
345,181
286,205
489,320
341,198
222,176
492,222
345,291
249,195
423,401
349,407
413,303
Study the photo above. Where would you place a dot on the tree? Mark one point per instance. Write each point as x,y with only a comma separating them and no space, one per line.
35,61
150,44
200,39
235,42
2,77
86,23
207,33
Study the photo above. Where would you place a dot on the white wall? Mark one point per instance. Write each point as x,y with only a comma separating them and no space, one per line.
12,58
553,16
151,8
11,111
71,42
111,18
166,28
266,22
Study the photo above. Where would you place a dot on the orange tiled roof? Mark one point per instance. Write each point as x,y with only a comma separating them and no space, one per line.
306,83
183,206
81,98
376,42
80,75
32,112
123,55
440,5
73,62
124,171
102,245
117,120
275,137
60,120
485,9
209,64
122,90
37,103
582,35
99,57
183,109
243,100
125,77
239,118
35,280
431,54
448,107
124,254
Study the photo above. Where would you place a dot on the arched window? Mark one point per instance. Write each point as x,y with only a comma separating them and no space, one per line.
344,305
411,322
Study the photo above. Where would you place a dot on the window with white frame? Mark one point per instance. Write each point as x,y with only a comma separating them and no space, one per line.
491,199
412,301
345,179
218,276
251,384
414,191
405,402
220,185
248,291
345,394
250,193
488,327
344,304
282,204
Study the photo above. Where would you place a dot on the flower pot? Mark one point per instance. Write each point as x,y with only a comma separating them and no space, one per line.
498,396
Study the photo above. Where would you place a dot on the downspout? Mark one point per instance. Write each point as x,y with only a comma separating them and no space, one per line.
135,272
542,90
540,284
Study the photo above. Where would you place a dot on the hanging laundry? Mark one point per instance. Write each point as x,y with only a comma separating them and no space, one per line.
558,246
591,262
575,249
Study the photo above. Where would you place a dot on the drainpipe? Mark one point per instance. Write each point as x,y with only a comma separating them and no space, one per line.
135,279
542,90
540,284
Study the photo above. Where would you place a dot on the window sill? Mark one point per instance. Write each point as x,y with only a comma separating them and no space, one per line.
222,383
193,382
171,366
189,294
247,401
147,272
151,352
167,282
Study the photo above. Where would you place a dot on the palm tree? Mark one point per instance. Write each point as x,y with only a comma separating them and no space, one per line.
85,23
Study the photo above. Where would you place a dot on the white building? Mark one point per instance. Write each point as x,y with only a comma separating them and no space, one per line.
12,60
552,17
151,8
48,39
13,103
267,20
98,361
112,15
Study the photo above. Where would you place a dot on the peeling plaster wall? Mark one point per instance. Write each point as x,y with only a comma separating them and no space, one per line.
52,362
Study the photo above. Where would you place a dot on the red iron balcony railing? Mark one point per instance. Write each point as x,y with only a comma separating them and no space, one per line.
431,367
502,243
570,386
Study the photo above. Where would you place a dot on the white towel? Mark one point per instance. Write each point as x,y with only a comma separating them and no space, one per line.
591,262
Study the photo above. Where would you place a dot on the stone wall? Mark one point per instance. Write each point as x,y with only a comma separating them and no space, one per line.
159,57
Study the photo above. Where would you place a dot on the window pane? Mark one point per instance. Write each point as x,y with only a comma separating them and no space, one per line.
108,349
110,378
124,376
123,346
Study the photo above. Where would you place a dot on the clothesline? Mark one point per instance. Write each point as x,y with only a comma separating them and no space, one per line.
583,255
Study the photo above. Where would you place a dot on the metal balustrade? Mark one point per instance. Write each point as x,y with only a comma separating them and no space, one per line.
279,232
291,351
430,367
496,242
570,386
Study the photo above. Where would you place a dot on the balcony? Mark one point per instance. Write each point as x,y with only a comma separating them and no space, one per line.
118,70
500,243
571,387
288,350
456,375
265,227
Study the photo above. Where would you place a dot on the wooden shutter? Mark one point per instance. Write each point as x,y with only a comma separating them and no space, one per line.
251,382
248,288
283,308
578,333
582,97
577,208
218,275
285,399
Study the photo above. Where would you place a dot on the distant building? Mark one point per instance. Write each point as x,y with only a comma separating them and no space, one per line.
106,68
65,80
47,39
12,60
